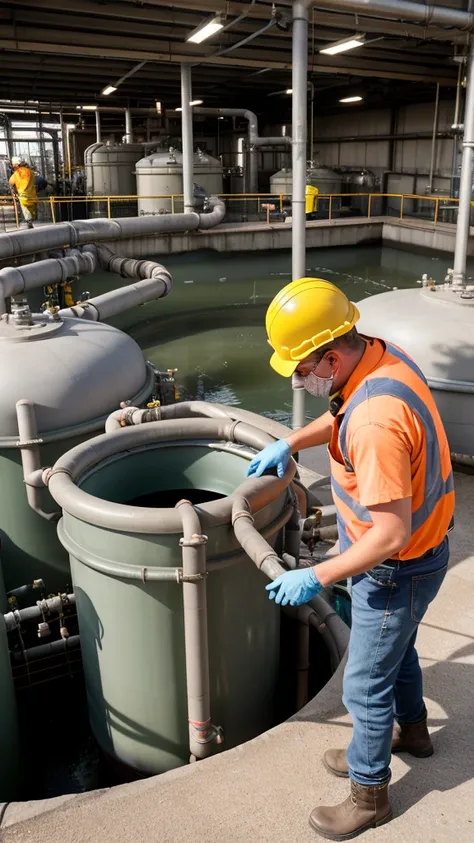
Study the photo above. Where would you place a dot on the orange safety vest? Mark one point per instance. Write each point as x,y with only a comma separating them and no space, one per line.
396,375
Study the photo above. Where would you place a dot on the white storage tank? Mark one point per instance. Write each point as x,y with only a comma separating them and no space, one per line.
110,171
325,179
161,174
435,326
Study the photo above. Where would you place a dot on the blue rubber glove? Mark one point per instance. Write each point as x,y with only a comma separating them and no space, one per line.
275,455
294,587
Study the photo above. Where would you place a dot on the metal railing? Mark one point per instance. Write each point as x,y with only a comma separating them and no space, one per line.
261,207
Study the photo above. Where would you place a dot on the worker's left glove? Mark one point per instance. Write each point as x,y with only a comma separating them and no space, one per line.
294,587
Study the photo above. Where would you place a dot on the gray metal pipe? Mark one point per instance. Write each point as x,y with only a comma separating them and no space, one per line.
299,141
299,157
433,139
128,126
202,733
317,612
299,396
187,137
405,10
98,132
50,606
254,138
16,280
42,651
47,237
465,186
156,284
29,442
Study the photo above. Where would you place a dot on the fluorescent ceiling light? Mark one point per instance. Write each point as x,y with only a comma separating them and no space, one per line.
351,99
289,91
206,30
109,89
344,45
86,107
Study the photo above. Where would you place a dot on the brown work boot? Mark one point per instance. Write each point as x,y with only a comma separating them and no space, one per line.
413,738
366,807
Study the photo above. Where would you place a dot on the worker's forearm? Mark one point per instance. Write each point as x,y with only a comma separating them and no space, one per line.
318,432
373,548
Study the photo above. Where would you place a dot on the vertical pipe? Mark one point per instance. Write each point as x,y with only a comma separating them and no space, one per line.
98,132
253,170
187,132
433,139
201,731
300,93
465,186
454,189
128,126
299,141
298,419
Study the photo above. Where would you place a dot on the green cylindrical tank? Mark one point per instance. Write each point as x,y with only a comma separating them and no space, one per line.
132,633
9,736
76,372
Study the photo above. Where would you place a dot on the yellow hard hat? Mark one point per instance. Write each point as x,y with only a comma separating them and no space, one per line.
304,316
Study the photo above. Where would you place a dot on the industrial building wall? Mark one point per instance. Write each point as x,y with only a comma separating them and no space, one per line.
354,143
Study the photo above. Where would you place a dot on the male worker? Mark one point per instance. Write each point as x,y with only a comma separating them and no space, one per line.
393,488
23,181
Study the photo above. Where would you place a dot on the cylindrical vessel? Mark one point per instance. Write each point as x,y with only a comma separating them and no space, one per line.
110,171
76,372
325,179
436,328
132,631
161,175
9,737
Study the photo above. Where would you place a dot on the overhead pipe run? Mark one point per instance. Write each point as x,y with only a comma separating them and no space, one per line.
47,237
255,141
465,185
405,10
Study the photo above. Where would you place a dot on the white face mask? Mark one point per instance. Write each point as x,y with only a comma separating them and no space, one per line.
319,387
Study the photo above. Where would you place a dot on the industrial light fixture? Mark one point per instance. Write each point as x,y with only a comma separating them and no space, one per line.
158,107
206,29
289,91
344,45
220,118
109,89
86,107
193,102
351,99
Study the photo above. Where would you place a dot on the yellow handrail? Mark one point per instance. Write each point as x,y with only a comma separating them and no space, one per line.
261,200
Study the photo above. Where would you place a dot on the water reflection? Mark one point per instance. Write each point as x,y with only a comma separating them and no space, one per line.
211,327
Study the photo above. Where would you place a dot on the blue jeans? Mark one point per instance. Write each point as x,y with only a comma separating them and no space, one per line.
383,675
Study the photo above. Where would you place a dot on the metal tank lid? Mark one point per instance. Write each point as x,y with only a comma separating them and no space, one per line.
74,370
435,327
174,158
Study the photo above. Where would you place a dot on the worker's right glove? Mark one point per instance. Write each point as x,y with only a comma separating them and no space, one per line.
276,455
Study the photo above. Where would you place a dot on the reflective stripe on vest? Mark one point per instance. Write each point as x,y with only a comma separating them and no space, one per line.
435,486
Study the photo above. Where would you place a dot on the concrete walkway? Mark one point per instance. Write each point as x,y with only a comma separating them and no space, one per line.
263,791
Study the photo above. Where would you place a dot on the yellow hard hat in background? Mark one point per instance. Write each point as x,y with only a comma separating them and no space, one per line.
304,316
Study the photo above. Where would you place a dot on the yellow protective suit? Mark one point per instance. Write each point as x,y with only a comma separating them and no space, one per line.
311,202
23,179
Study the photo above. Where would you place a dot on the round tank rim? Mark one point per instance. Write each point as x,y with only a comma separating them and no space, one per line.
64,478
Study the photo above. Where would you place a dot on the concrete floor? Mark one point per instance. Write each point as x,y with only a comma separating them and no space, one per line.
264,790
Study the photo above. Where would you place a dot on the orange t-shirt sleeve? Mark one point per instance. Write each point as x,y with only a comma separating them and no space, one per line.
382,464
